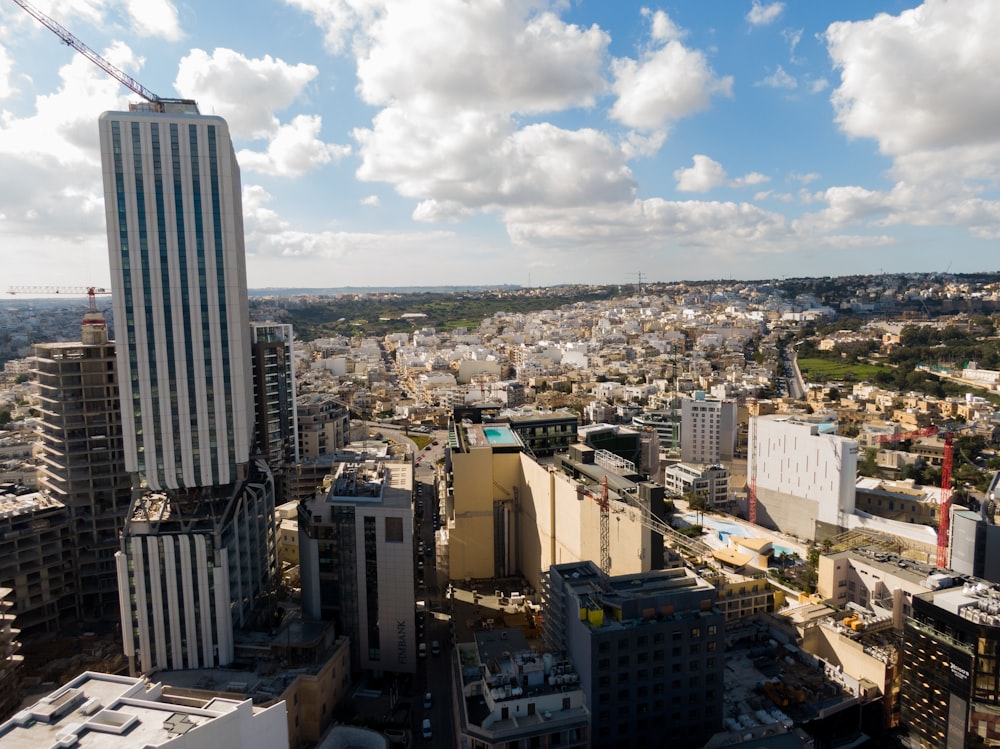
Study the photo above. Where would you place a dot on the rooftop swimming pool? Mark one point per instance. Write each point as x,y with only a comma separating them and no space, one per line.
722,529
500,435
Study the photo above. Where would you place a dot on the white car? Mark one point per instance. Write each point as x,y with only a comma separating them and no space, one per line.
425,728
428,701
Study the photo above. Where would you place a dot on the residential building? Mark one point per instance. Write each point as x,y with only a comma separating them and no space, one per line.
10,657
513,695
649,649
356,560
666,424
82,459
708,429
709,483
277,432
804,474
324,426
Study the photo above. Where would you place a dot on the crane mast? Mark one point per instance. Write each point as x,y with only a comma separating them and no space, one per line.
119,75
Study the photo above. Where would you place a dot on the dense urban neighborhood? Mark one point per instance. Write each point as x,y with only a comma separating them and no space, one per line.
756,510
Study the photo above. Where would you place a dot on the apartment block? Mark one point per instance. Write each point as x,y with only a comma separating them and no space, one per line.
708,429
82,458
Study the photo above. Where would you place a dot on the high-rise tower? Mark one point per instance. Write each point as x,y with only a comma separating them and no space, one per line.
178,272
198,550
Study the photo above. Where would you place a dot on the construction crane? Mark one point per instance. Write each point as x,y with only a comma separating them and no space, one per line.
690,546
945,507
119,75
604,505
752,447
90,291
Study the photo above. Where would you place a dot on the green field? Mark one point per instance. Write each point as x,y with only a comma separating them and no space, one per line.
824,370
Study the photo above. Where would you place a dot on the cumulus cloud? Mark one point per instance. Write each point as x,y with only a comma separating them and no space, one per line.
922,79
246,91
371,201
921,85
154,18
669,82
293,150
762,15
487,56
707,174
778,79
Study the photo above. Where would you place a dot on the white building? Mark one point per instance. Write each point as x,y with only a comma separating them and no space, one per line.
356,560
804,474
708,429
180,295
105,711
709,482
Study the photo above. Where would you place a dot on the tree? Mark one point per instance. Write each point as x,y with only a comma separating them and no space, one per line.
869,465
5,417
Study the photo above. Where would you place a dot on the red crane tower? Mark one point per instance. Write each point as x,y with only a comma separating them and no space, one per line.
944,510
119,75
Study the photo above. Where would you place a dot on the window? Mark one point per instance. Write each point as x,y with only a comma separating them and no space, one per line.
393,530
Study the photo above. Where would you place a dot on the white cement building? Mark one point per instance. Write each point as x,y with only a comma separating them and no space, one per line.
805,474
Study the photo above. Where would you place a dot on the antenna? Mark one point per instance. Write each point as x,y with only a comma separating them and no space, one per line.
119,75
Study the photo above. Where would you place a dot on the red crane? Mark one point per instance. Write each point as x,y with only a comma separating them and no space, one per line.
90,291
119,75
944,509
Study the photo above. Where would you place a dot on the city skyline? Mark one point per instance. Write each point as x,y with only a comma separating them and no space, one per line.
531,143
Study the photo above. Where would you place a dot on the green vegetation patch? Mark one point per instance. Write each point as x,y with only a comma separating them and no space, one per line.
826,370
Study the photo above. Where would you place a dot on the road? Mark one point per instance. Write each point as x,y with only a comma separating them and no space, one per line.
434,673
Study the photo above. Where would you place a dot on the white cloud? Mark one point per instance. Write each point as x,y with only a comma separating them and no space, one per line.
818,85
668,83
293,150
762,15
155,18
339,18
449,54
778,79
707,174
924,79
662,27
371,201
245,91
804,179
792,37
921,84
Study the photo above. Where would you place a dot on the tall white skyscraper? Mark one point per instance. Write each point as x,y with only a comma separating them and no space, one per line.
178,272
198,545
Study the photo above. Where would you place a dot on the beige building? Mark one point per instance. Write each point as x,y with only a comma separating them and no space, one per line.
511,514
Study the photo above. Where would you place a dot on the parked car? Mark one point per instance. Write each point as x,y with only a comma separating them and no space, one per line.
428,701
422,650
436,648
425,728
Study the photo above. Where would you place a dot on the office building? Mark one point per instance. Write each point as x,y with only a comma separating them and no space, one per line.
708,429
356,560
804,473
198,553
951,693
178,271
83,461
649,650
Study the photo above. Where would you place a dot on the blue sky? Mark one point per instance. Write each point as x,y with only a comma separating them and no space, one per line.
428,142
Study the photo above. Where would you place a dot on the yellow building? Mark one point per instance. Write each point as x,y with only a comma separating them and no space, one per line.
511,514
